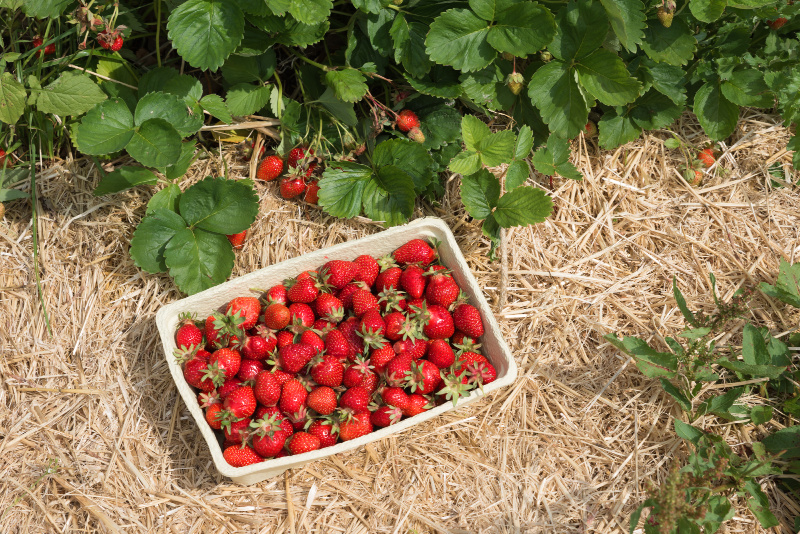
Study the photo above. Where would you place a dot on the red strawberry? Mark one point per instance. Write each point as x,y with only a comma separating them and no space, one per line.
278,294
371,328
356,398
480,373
778,23
229,386
237,240
241,402
312,193
395,396
277,316
356,372
346,295
48,50
322,400
336,345
268,435
259,346
440,353
438,322
249,369
310,338
223,365
386,416
303,290
415,251
296,154
292,186
416,348
329,308
194,371
349,329
397,369
324,431
293,396
454,387
327,371
188,335
368,269
424,377
235,431
323,327
303,442
302,317
238,456
707,157
406,120
413,281
467,318
208,398
294,357
5,160
388,278
392,299
267,389
460,338
394,325
270,168
338,273
416,405
110,40
381,356
284,338
441,290
355,426
213,416
468,359
247,307
363,301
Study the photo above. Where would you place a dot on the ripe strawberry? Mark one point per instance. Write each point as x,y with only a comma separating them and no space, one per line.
440,353
480,373
188,335
268,435
247,307
267,389
386,416
349,329
364,301
395,396
460,338
223,365
381,356
238,456
356,372
390,278
325,431
454,387
368,269
229,386
296,154
302,317
194,371
270,168
312,193
237,240
294,357
277,316
284,338
5,160
394,325
406,120
213,416
424,377
467,318
392,299
466,360
259,346
413,281
336,345
338,273
777,24
416,135
371,328
241,402
299,419
292,186
303,442
707,157
415,251
397,368
277,294
249,369
329,308
48,50
438,322
293,396
322,400
355,425
234,431
414,347
356,398
323,327
416,405
327,371
346,295
303,290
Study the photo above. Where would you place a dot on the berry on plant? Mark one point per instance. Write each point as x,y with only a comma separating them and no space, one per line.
270,168
406,120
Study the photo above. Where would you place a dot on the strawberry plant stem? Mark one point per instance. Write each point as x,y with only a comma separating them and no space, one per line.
35,229
158,32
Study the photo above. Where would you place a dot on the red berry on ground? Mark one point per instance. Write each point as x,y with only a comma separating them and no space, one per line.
270,168
237,240
292,186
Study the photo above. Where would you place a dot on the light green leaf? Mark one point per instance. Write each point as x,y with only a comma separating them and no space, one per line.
717,115
45,9
216,106
674,45
219,205
155,143
170,108
185,87
310,11
151,238
12,98
497,148
523,206
349,85
687,431
341,189
522,29
553,158
198,260
458,38
167,198
707,10
71,93
785,439
205,32
245,98
581,29
473,130
489,9
747,88
759,505
627,20
604,74
524,142
555,92
389,196
179,168
480,193
124,178
651,363
107,128
466,162
517,174
760,414
156,79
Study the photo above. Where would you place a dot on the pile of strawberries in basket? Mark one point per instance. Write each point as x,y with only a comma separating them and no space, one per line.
334,354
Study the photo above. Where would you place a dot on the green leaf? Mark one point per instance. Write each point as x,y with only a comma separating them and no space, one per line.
523,206
707,10
310,11
371,6
717,115
124,178
497,148
517,174
687,431
12,194
677,394
349,85
216,106
389,196
627,20
179,168
554,90
167,198
581,30
553,158
246,99
185,87
156,79
170,108
652,363
479,193
760,414
489,9
521,29
718,510
794,145
491,230
205,32
787,287
768,371
669,80
695,333
754,349
524,143
410,157
466,162
604,75
70,94
341,189
244,69
151,238
747,88
721,404
459,38
12,98
441,126
685,311
409,46
654,110
107,128
343,111
473,130
219,205
198,260
759,504
441,82
155,143
785,439
45,9
674,45
616,130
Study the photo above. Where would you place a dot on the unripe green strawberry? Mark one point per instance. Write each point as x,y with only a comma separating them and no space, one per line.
416,135
545,56
665,17
515,82
590,129
508,56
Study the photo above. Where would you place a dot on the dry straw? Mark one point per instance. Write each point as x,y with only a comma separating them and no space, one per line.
568,448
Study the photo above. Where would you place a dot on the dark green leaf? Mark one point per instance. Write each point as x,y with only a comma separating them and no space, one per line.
441,82
377,28
480,193
12,194
491,230
554,90
243,69
124,178
198,260
747,88
717,115
409,46
389,196
156,79
521,29
654,110
720,404
342,189
310,11
687,431
652,363
185,87
769,371
707,10
669,80
167,198
151,238
408,156
219,205
343,111
70,94
246,99
718,510
517,174
169,108
12,98
371,6
760,414
107,128
754,349
459,38
349,85
674,45
205,32
604,75
302,35
553,158
179,168
216,106
581,29
759,504
523,206
440,126
616,130
685,311
785,439
627,19
155,143
44,9
677,394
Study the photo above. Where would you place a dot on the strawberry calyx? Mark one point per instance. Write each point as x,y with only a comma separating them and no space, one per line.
266,426
184,354
453,388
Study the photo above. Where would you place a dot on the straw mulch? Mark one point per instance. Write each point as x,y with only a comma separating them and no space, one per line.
568,448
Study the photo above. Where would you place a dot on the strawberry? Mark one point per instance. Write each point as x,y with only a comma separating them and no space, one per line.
665,17
356,372
336,345
424,377
777,24
277,316
194,371
371,328
346,295
296,154
413,281
394,325
327,371
259,346
386,416
392,299
303,290
303,442
268,435
515,82
440,353
460,338
406,120
416,135
188,335
267,389
349,329
237,240
5,160
329,308
414,347
229,386
223,365
338,273
312,193
249,369
356,398
467,319
284,338
397,368
355,425
222,329
590,130
388,278
234,431
293,396
395,396
364,301
294,357
213,416
416,405
381,356
277,294
325,431
48,50
415,251
270,168
467,360
302,317
453,388
241,402
480,373
292,186
438,322
707,157
299,419
238,456
207,399
322,400
247,307
368,269
441,290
